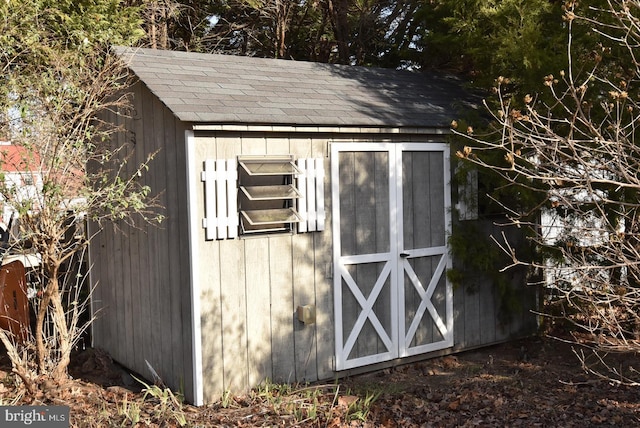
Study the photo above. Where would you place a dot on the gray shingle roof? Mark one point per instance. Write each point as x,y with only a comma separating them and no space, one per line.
210,88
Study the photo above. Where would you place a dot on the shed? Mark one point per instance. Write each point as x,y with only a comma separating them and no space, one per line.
307,213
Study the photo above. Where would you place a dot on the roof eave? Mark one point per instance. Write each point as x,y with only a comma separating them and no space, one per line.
321,129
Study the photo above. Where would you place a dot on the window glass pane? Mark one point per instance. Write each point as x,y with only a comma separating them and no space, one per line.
263,193
272,216
269,167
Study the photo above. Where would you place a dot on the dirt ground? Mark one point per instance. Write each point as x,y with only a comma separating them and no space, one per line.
530,383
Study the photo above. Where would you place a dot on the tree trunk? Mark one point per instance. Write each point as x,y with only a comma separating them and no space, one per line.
338,11
41,350
52,299
152,26
64,339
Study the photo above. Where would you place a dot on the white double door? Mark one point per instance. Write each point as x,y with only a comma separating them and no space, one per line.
391,218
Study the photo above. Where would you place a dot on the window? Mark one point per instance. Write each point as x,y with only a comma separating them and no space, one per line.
262,194
267,196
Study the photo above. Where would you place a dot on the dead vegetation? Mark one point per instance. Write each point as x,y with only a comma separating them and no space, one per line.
533,382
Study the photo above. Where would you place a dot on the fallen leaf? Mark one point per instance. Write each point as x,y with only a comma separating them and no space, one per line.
347,400
454,405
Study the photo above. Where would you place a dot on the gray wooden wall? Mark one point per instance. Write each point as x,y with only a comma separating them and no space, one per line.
141,277
479,319
250,288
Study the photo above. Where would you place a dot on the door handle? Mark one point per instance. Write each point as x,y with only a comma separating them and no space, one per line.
404,255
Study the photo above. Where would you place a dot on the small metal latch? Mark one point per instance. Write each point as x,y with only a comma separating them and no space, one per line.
404,255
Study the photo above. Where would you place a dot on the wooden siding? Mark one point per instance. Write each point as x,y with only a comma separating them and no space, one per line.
253,286
477,307
142,300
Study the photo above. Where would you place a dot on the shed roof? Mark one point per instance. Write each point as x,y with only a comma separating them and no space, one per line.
213,88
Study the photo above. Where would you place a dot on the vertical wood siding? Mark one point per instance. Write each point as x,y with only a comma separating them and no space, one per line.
258,284
142,300
478,319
